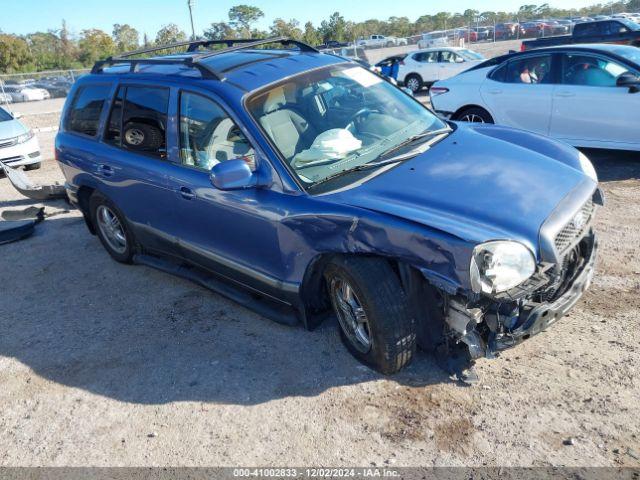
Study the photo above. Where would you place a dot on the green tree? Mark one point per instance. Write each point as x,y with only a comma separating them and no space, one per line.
46,49
126,37
243,17
220,31
95,44
310,35
281,28
334,29
170,33
14,54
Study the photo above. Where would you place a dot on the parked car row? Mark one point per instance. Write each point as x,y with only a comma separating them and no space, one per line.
323,190
584,95
32,90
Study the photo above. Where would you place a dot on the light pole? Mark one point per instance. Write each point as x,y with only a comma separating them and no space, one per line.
191,4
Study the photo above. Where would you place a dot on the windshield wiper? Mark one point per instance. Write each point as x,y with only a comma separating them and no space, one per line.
411,140
382,161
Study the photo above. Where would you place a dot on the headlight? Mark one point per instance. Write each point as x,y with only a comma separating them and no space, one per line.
587,166
499,266
25,137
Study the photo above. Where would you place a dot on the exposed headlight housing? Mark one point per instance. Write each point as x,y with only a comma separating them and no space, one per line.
25,137
499,266
587,167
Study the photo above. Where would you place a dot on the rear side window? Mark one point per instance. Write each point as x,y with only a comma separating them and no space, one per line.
529,70
426,57
586,29
138,120
84,113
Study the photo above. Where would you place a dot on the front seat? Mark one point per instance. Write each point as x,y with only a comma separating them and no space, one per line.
289,131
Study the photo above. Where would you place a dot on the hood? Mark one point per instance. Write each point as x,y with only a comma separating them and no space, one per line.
11,129
480,183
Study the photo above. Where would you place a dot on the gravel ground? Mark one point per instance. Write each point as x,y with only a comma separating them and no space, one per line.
109,365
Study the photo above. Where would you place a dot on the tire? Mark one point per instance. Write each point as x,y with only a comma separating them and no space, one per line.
413,82
474,115
378,306
141,136
33,166
119,242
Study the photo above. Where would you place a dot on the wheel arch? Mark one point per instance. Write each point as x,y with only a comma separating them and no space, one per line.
469,106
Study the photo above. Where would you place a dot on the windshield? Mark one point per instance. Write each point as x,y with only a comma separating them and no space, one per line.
629,24
338,118
5,116
630,53
470,54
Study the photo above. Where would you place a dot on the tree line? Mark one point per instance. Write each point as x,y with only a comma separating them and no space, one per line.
57,49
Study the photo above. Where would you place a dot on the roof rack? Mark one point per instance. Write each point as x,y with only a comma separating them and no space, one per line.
194,61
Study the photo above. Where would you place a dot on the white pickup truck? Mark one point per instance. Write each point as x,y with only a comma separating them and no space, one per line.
380,41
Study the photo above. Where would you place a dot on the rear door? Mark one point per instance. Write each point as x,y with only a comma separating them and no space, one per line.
132,164
589,109
426,65
520,93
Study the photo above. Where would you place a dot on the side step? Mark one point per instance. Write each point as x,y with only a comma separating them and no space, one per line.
268,308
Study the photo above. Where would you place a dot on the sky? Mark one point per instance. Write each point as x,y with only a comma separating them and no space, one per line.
25,16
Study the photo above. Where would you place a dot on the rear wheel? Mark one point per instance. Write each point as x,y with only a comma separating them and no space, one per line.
474,115
413,82
375,322
111,228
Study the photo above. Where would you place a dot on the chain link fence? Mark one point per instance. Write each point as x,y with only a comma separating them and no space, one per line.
37,86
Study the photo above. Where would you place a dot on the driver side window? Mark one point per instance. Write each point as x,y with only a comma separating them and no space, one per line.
208,135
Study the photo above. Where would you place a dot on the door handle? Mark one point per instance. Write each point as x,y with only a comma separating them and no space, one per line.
187,193
495,92
105,170
565,94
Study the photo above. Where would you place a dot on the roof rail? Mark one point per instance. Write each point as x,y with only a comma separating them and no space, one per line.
233,44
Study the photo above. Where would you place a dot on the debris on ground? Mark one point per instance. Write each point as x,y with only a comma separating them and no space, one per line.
23,184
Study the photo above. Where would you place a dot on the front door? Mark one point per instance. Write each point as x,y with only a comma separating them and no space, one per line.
234,233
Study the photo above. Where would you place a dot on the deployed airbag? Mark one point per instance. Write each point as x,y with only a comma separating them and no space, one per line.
330,145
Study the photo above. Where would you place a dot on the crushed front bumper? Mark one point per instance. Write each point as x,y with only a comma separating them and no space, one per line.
535,318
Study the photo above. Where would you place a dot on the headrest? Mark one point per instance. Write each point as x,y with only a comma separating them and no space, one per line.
275,99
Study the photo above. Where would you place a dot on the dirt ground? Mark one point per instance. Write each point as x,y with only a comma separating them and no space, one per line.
103,364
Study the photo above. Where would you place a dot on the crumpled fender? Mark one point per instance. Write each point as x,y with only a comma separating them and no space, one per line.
442,258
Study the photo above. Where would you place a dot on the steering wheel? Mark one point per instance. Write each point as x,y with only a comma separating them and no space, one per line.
357,121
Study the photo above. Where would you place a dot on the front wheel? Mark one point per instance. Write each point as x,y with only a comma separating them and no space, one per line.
375,322
33,166
474,115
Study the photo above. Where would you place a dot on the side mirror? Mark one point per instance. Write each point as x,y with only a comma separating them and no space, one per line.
17,115
233,175
630,81
408,91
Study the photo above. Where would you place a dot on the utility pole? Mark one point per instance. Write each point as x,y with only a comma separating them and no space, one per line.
191,4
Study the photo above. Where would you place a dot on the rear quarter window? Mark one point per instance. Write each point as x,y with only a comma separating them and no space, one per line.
86,108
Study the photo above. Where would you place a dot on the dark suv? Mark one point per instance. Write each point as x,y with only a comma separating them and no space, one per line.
299,183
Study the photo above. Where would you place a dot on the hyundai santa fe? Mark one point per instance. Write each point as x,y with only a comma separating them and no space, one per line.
306,187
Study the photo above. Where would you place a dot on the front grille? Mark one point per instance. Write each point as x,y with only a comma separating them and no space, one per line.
10,159
576,227
8,142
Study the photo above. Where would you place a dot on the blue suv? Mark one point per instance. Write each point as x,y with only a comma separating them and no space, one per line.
304,186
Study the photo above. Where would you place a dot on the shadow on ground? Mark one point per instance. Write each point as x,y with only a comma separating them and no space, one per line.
76,317
614,166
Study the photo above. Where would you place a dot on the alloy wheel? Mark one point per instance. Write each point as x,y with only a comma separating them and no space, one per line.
351,314
111,229
472,117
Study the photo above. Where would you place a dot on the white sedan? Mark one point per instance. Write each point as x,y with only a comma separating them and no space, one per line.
424,67
21,93
585,95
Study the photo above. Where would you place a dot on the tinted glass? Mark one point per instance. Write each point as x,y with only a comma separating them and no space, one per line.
138,120
585,29
84,114
450,57
426,57
529,70
589,70
208,136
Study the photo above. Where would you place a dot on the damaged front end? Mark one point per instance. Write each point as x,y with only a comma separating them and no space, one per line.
490,324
